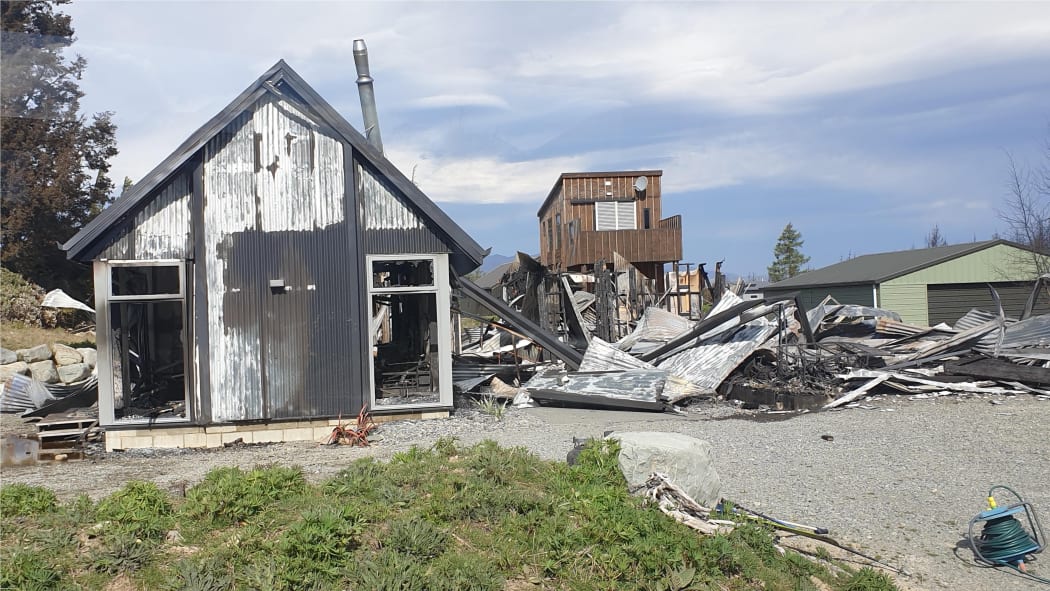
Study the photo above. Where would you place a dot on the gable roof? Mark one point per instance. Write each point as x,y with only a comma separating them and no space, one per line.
284,82
880,267
592,175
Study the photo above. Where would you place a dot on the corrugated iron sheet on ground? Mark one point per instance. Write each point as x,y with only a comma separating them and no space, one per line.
707,366
655,325
975,318
602,356
22,393
635,384
1028,338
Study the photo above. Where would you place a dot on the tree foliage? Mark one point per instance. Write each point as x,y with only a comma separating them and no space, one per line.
54,162
787,255
935,238
1026,209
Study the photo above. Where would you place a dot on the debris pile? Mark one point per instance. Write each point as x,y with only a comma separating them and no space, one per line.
765,352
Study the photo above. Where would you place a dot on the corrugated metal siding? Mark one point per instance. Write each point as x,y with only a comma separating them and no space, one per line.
907,300
391,226
274,208
161,230
948,303
845,294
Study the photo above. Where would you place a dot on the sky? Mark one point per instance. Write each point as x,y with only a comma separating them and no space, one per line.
862,124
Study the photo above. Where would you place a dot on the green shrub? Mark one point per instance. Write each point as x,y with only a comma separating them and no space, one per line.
24,500
19,299
416,537
196,574
122,553
316,548
869,579
28,570
140,509
229,495
387,570
456,571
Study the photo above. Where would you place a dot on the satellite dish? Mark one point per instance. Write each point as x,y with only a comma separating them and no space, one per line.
641,183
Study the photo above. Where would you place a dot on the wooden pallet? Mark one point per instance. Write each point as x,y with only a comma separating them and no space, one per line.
57,433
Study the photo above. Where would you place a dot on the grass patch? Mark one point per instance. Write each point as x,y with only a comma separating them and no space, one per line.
478,518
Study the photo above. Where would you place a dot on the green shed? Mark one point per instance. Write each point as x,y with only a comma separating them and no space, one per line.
926,286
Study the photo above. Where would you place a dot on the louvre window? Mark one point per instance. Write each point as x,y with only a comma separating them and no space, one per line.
614,215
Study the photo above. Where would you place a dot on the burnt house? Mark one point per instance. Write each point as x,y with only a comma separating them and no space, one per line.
273,273
589,216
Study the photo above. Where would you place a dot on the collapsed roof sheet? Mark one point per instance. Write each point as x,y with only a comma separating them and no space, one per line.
708,366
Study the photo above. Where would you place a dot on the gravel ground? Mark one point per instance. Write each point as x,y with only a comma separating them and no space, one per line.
898,479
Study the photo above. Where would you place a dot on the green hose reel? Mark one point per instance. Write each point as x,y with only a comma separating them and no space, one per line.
1004,540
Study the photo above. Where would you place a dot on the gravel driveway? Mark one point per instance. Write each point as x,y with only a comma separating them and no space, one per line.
899,480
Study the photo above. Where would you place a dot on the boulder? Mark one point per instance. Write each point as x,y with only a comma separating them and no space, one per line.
34,354
66,355
7,356
73,373
44,371
9,369
90,356
685,460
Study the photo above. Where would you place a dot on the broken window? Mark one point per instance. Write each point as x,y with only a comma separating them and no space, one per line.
411,334
147,322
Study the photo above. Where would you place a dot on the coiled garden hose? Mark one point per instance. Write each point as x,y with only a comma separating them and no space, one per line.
1004,541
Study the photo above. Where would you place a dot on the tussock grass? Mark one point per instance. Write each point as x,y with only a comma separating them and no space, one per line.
445,518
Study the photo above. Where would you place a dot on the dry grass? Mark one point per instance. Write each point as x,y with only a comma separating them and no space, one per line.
15,335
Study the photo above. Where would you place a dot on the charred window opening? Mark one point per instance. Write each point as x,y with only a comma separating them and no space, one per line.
406,348
410,331
407,273
148,340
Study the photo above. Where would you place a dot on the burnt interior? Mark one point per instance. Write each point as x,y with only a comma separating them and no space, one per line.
148,341
405,355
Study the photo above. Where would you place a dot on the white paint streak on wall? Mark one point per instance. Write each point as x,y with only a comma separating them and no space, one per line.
381,209
299,187
300,181
162,229
229,207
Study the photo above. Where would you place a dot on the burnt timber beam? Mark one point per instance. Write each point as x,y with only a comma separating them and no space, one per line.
515,319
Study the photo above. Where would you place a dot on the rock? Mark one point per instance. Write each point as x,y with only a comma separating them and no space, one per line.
8,356
73,373
89,355
35,354
685,460
44,371
9,369
66,355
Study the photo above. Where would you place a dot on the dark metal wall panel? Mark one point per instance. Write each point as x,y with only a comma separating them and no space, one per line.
391,225
275,208
161,229
860,295
948,303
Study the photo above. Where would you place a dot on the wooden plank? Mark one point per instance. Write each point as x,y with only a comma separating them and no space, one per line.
858,392
996,369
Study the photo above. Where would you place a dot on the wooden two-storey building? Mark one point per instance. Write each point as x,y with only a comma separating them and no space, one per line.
587,216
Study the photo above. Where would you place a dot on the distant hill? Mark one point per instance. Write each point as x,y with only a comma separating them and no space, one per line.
494,260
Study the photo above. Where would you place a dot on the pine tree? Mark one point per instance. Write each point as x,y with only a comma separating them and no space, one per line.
54,161
787,256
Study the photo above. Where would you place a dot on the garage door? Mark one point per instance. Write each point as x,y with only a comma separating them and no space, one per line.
948,303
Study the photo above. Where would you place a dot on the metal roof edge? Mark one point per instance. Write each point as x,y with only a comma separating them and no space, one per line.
467,245
279,72
125,203
975,247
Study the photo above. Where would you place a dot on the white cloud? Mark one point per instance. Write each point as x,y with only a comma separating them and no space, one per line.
460,100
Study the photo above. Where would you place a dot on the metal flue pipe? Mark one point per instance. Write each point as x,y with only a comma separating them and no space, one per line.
368,96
